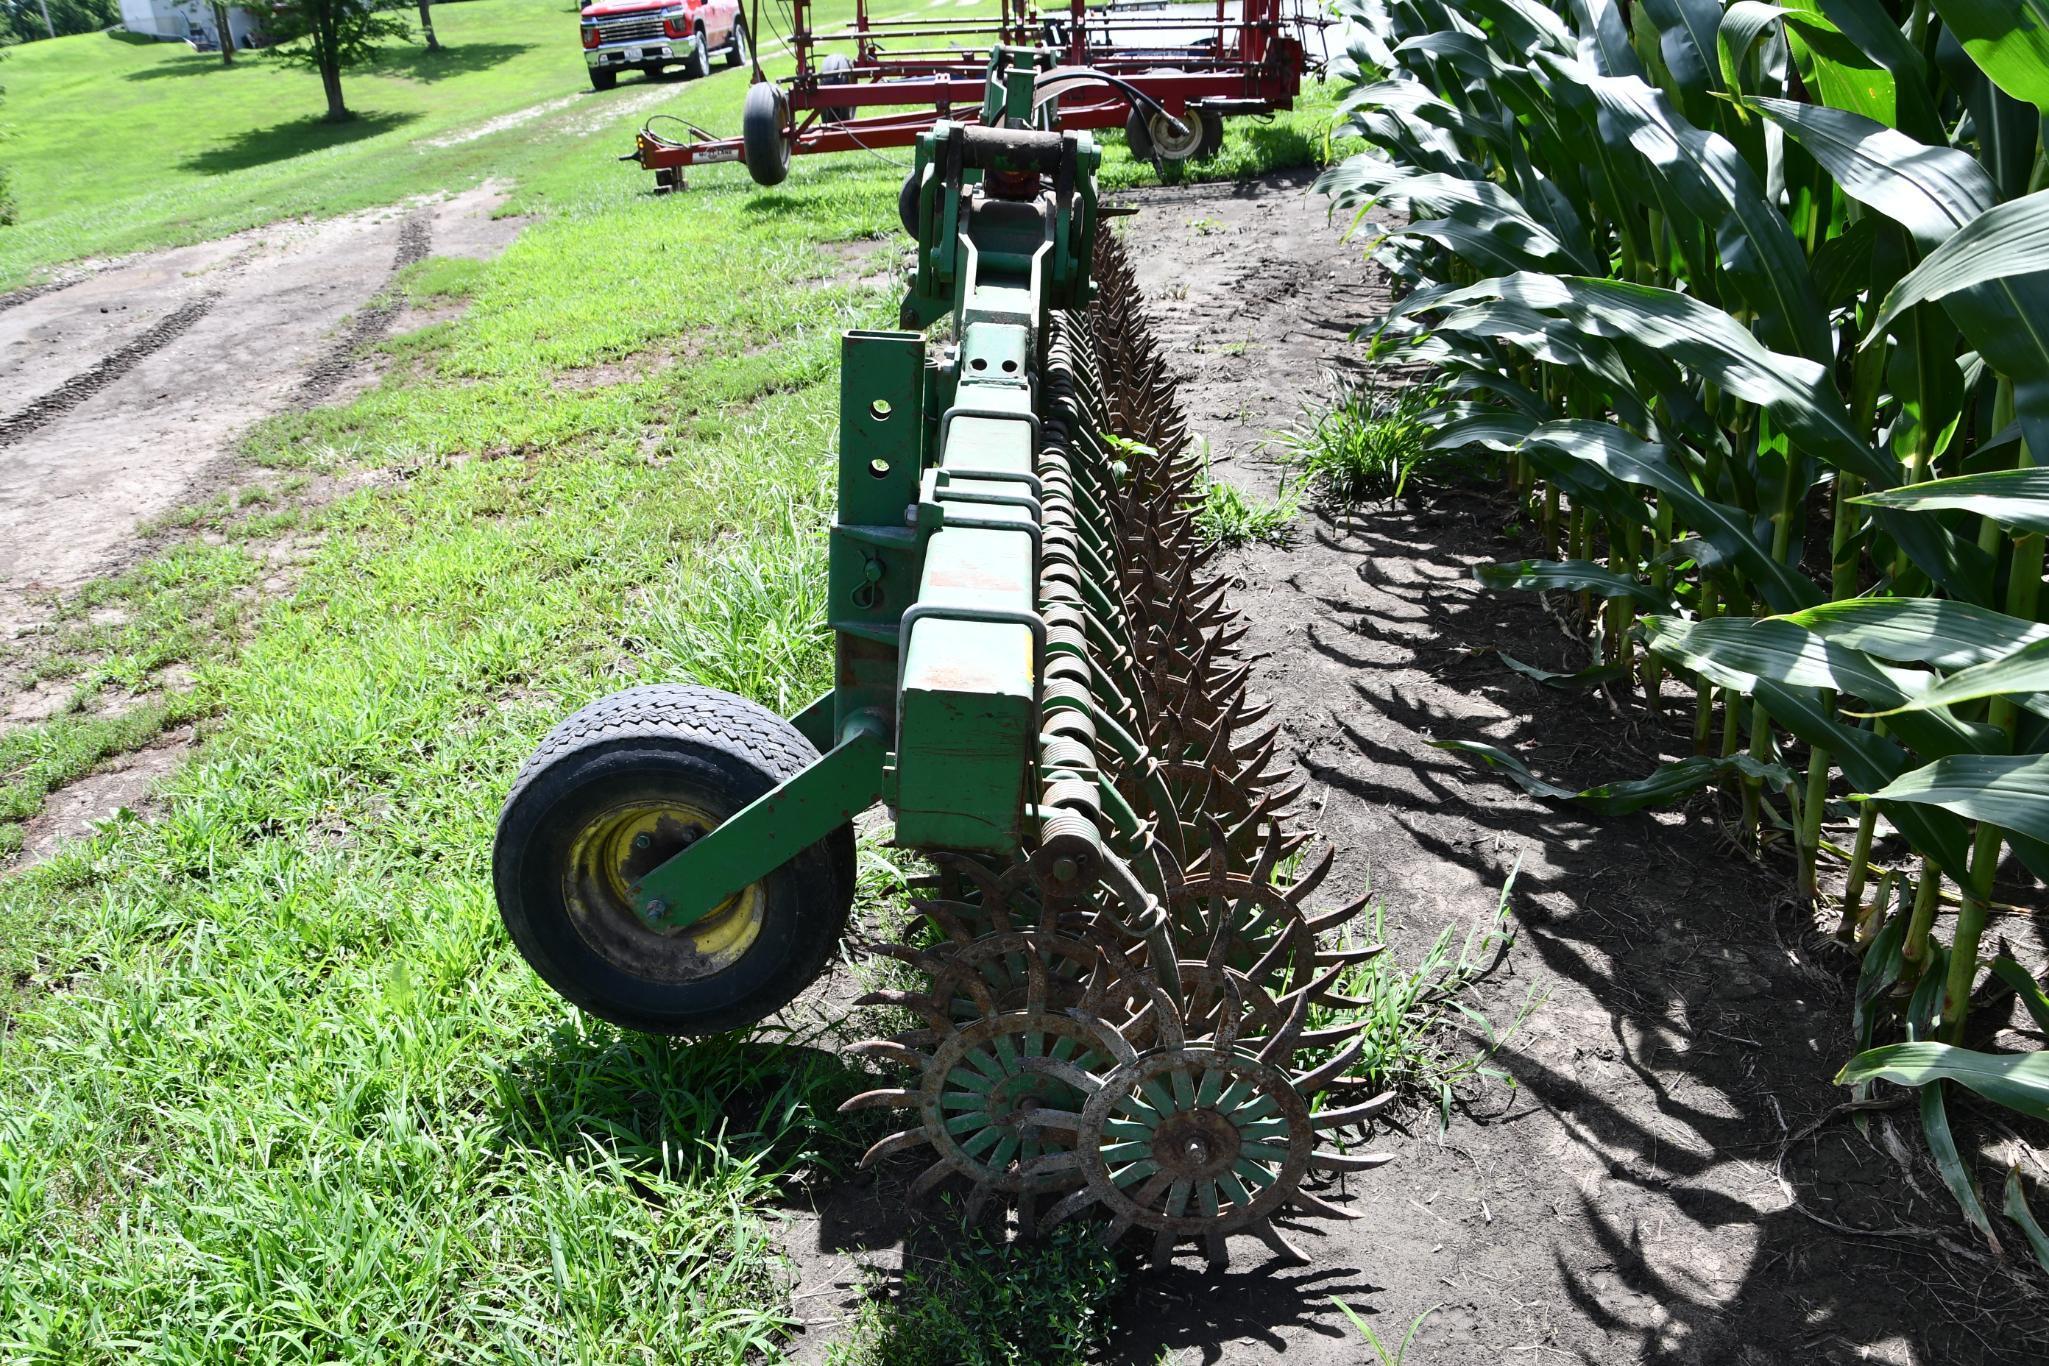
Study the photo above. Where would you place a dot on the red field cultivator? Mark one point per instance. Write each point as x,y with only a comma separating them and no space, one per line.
1179,71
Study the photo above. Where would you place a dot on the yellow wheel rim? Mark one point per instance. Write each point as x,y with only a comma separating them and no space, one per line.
610,855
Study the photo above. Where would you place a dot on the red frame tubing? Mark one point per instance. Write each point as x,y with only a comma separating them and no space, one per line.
1265,69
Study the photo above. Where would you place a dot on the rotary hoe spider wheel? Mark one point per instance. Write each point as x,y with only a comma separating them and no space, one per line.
1117,1026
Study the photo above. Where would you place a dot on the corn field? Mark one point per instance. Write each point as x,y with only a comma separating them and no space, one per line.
1752,301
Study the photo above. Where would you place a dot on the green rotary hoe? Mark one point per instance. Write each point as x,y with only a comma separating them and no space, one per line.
1124,1006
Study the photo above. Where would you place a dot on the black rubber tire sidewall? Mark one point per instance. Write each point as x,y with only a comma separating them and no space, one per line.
697,64
735,53
1136,137
1212,135
646,752
764,146
603,80
837,69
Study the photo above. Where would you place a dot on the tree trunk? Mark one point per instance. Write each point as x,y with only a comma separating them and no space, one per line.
327,48
227,37
427,27
330,81
46,19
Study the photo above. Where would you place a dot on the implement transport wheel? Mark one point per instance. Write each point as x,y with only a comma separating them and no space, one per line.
603,80
1151,137
741,48
838,69
764,133
616,790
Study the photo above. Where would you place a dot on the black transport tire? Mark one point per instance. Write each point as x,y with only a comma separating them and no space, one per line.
1212,135
907,203
603,79
740,49
838,69
620,787
697,61
1149,141
764,138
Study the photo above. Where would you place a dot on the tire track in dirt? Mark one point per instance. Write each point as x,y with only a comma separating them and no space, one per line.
90,381
415,239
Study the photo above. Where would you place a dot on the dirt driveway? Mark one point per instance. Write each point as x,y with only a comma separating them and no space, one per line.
123,391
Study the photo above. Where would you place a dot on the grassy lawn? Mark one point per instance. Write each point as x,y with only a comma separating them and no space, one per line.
273,1084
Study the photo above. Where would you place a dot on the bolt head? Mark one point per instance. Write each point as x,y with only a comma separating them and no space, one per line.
1066,869
657,907
643,840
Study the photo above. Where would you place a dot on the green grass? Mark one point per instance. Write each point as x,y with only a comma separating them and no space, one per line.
1420,1027
273,1084
982,1303
1364,445
1231,518
115,145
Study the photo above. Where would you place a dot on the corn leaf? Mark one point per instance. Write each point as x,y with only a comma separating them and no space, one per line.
2016,1208
1738,652
1523,24
2016,499
1604,40
1686,40
2010,791
1627,460
1471,424
1929,191
1593,676
1853,54
2026,670
2025,987
2018,1081
1710,179
2008,39
1570,576
1933,631
2005,240
1620,798
1799,393
1942,1146
1743,23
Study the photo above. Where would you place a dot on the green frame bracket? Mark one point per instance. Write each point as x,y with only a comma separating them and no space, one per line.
767,833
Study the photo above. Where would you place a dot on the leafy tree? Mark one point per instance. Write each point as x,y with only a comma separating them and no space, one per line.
22,21
329,36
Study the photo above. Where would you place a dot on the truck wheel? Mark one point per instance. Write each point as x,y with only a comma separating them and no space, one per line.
741,50
615,790
838,69
764,141
603,79
697,61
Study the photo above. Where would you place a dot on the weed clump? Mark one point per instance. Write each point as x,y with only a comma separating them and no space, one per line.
1363,447
1231,518
993,1304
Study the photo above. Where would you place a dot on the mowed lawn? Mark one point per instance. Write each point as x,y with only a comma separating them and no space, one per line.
274,1085
115,143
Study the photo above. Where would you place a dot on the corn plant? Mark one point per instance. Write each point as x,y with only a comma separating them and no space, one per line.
1751,303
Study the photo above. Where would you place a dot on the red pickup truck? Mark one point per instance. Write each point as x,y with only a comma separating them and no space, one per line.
647,35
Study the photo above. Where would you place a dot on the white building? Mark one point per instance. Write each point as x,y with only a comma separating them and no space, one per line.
191,21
